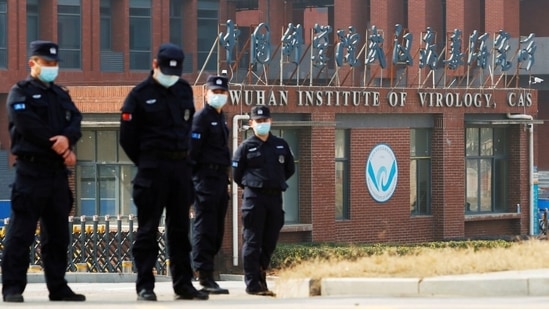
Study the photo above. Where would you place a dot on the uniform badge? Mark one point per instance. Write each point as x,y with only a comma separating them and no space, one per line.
126,116
151,101
19,106
281,159
187,115
68,115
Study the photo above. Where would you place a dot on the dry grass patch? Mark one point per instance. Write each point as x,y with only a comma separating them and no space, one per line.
425,262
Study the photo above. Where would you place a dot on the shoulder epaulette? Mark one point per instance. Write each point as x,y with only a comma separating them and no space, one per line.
141,85
23,83
64,88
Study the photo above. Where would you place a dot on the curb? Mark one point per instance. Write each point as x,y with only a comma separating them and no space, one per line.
507,283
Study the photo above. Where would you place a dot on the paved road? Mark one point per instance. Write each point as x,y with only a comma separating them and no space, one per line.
503,290
122,295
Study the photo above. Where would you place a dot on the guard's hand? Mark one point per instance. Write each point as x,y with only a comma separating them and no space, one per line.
60,144
70,158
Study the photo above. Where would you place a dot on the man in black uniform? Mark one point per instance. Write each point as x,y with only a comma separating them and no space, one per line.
261,166
44,125
211,158
155,131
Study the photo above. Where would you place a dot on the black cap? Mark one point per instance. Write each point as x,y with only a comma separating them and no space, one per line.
217,82
170,59
45,49
261,112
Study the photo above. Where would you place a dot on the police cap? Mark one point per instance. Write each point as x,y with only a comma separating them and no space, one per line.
170,59
45,49
217,82
261,112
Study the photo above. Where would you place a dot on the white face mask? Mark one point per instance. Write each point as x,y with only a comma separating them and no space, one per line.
48,74
165,80
217,100
262,128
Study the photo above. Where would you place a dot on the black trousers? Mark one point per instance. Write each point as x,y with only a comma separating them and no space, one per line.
40,193
210,208
262,219
160,185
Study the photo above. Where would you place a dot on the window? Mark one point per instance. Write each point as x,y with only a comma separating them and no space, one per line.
420,171
291,195
207,33
247,5
112,60
342,211
105,31
33,22
176,22
140,34
69,33
3,34
486,170
104,175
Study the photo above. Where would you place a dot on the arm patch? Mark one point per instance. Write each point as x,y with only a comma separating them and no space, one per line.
18,106
126,116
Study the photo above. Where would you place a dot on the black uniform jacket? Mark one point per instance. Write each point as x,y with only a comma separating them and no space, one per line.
156,119
258,164
37,112
210,134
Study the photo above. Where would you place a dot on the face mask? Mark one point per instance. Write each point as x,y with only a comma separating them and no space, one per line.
217,100
48,74
166,80
262,128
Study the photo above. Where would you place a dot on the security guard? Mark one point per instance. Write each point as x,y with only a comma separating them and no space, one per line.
211,158
261,166
44,125
155,131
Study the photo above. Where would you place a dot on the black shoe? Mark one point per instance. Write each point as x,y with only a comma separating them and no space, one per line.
260,292
211,287
145,294
189,292
14,298
217,290
206,279
68,297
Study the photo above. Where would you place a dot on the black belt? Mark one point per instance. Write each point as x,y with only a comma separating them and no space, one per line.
40,160
171,155
269,191
215,167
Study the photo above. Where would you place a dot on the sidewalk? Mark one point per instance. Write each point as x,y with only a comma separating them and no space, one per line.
507,283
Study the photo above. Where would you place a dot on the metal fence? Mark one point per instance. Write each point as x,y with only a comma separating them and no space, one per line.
100,243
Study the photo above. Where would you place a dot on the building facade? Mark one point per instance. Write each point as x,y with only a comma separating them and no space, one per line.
410,120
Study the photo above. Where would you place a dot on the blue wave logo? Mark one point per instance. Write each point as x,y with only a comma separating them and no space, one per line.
381,173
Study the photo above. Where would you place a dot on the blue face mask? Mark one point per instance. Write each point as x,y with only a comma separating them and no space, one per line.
217,100
48,74
165,80
262,128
